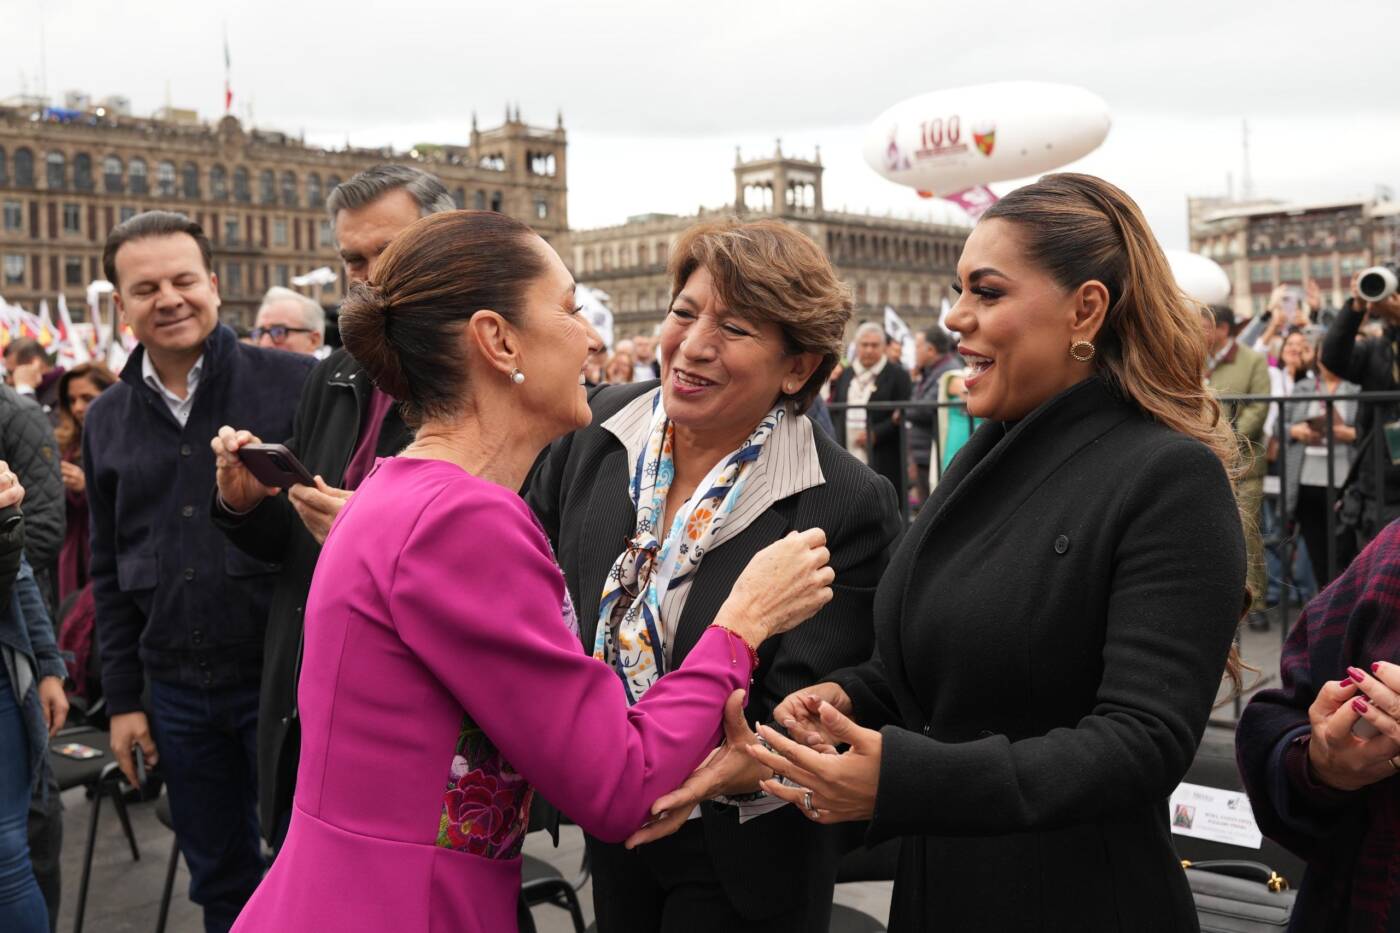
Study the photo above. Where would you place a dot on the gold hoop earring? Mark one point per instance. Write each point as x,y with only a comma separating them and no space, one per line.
1075,350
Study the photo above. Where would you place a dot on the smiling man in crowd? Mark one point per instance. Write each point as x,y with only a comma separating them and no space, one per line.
176,606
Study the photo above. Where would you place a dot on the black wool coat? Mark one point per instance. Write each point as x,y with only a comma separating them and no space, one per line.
1050,637
892,385
325,431
579,492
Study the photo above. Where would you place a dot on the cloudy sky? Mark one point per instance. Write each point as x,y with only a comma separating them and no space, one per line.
656,95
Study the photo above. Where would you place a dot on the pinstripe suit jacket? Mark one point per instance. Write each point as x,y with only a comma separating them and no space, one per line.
579,492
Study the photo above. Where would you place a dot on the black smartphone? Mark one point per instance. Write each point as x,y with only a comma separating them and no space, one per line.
138,759
275,465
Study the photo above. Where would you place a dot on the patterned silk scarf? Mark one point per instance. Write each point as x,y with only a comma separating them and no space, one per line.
629,617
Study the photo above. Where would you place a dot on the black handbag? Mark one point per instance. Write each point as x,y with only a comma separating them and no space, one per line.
1239,896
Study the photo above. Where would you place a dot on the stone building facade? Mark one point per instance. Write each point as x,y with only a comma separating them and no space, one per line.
68,176
907,264
1264,245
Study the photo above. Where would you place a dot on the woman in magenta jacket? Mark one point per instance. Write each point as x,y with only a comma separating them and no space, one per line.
442,680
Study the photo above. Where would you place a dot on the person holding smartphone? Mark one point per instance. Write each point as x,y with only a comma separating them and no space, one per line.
1307,466
343,423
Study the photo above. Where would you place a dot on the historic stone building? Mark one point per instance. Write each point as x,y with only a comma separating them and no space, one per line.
67,176
907,264
1263,245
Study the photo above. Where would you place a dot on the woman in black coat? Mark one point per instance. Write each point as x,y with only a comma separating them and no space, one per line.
754,329
1051,633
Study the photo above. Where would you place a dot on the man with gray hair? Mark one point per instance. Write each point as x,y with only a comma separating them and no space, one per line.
343,423
289,320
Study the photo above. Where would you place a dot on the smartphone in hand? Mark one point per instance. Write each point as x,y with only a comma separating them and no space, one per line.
138,760
275,465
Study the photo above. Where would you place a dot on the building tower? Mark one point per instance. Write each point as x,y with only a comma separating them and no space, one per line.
778,185
531,160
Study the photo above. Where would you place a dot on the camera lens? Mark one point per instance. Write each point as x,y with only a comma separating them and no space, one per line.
1371,286
1376,283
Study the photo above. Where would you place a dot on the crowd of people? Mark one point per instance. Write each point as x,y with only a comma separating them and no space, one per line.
666,590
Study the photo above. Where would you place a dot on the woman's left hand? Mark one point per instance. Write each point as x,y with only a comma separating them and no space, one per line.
54,702
727,770
839,788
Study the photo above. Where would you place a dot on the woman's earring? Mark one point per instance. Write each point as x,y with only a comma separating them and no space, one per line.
1082,350
516,376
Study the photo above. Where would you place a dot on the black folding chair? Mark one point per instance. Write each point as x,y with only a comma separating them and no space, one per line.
102,778
542,883
163,814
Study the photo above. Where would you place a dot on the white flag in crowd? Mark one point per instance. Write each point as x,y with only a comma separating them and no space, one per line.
596,311
896,328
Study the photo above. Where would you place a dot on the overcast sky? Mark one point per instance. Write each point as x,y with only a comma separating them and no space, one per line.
656,95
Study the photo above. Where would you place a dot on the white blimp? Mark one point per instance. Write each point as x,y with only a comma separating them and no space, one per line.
945,142
1200,277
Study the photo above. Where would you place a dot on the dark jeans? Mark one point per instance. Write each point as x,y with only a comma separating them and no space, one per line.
46,844
670,886
207,740
22,907
1312,523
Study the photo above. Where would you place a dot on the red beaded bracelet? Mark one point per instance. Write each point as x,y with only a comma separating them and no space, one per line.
753,652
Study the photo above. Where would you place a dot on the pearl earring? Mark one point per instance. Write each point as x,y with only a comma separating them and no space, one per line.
517,377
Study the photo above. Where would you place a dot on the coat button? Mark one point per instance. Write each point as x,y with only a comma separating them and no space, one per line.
197,637
186,450
187,511
189,573
1061,544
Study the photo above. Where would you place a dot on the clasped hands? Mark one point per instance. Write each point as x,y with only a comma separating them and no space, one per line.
1338,757
240,490
804,769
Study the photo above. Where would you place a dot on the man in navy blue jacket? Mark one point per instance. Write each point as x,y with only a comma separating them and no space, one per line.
179,610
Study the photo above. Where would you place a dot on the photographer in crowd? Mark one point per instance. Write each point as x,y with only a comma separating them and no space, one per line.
1372,495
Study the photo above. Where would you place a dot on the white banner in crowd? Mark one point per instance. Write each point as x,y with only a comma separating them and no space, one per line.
896,328
321,277
595,309
72,351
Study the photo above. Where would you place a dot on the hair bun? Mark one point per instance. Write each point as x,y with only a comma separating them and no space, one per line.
365,331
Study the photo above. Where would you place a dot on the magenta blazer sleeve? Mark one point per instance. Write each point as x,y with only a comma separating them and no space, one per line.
477,596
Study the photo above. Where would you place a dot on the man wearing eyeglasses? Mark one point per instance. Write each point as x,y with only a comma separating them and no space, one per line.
290,321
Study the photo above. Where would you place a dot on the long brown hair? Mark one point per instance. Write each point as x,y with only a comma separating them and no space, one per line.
1151,348
69,432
